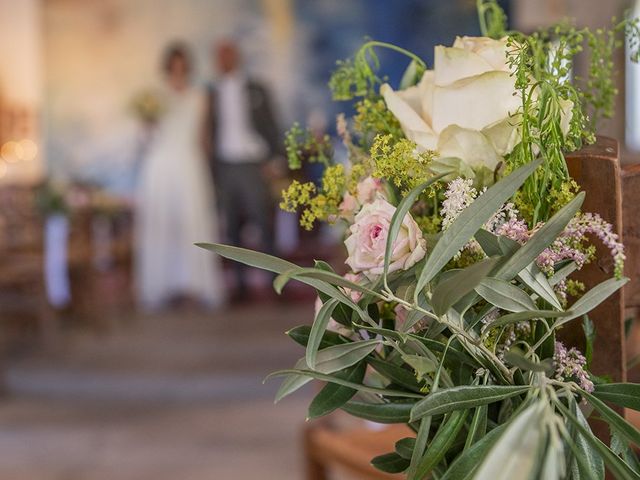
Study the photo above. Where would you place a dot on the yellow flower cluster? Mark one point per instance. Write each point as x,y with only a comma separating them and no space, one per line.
399,162
564,194
322,204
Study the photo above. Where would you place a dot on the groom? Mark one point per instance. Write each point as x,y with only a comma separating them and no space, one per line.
242,140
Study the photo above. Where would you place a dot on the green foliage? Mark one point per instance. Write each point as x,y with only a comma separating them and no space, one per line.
358,78
493,20
302,145
446,377
558,115
373,118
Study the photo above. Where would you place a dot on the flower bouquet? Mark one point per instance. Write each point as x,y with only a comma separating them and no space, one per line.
147,107
464,231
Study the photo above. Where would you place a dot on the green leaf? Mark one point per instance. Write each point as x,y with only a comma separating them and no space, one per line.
452,352
614,419
385,332
554,464
277,265
398,217
441,443
544,237
342,313
471,220
420,446
404,447
411,75
328,360
338,357
587,454
516,358
513,455
390,463
464,396
457,285
533,278
396,412
301,333
593,298
415,316
504,295
423,366
396,374
465,465
521,316
450,164
489,243
589,337
579,467
291,383
622,448
530,275
322,275
623,394
563,273
616,465
478,427
317,331
311,374
333,396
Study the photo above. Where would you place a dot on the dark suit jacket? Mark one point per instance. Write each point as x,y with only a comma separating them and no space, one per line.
262,118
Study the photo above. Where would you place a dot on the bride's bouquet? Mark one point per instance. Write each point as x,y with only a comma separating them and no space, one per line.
464,231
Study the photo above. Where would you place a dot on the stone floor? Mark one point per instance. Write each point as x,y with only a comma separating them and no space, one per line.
172,396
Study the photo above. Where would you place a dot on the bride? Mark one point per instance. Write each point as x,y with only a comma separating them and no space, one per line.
175,200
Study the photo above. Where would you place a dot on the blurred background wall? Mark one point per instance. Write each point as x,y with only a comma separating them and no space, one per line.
81,62
98,54
21,89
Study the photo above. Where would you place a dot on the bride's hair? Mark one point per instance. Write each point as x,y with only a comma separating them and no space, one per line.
176,50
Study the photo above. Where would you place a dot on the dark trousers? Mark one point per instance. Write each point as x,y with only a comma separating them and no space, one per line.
244,197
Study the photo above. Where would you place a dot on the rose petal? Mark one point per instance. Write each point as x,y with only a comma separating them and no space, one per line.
504,135
453,64
470,145
413,126
484,99
492,51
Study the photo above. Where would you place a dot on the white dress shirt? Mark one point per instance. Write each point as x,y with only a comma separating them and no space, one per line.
238,142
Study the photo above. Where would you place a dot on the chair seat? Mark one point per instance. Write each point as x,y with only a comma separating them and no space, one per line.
352,449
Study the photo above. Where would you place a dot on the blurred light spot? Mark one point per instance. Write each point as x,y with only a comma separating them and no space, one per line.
12,152
29,149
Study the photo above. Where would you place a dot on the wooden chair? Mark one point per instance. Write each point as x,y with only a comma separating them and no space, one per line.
596,168
22,288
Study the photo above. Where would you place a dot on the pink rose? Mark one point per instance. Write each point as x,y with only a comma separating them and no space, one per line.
348,206
367,191
367,241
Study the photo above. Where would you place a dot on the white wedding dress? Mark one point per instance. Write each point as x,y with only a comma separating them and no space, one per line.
175,209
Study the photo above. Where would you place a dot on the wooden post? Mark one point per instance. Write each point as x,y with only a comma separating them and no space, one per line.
596,168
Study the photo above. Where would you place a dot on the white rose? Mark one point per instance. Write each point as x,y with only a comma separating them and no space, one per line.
368,238
463,107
